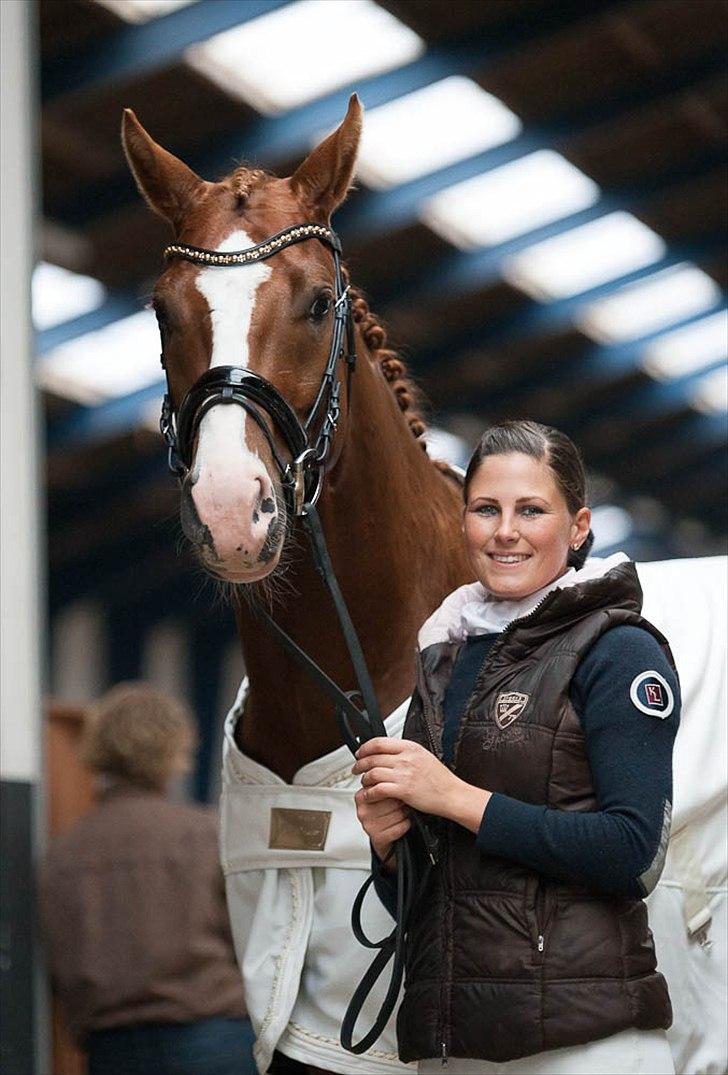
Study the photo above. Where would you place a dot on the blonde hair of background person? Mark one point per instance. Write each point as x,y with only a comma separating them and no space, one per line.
139,734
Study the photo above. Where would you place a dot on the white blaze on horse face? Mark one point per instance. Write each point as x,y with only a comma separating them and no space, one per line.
228,480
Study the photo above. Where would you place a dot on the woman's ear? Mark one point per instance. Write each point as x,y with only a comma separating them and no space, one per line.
580,527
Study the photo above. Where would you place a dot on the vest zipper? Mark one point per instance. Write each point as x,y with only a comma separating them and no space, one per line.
540,942
519,621
427,709
444,1054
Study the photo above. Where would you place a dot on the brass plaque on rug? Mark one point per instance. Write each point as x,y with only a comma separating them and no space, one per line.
298,830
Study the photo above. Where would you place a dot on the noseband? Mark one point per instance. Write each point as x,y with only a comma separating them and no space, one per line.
302,476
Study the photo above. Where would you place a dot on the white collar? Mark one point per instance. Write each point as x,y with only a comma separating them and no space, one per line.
472,610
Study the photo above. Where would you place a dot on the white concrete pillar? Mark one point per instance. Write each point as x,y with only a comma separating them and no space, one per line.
23,1041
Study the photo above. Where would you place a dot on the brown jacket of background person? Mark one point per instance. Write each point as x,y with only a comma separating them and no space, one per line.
132,896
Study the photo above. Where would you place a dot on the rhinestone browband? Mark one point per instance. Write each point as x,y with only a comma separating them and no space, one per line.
253,253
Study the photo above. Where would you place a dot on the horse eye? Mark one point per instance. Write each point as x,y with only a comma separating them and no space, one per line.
319,307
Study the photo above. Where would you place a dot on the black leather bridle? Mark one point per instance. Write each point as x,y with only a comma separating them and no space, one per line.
302,475
302,479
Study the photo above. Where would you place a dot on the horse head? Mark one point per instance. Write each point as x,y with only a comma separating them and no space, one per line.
273,316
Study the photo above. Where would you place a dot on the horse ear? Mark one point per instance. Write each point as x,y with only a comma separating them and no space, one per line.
324,178
164,181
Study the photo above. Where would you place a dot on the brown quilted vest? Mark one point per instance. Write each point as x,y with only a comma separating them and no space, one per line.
502,962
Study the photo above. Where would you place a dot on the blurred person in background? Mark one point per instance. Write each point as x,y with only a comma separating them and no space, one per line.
133,905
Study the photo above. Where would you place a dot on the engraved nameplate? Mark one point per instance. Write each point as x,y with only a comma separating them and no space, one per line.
298,830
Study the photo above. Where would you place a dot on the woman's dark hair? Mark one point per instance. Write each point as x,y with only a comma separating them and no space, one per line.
540,442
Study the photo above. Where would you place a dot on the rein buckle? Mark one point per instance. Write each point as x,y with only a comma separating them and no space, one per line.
298,468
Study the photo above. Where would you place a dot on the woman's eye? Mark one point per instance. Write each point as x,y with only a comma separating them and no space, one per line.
319,308
532,509
485,509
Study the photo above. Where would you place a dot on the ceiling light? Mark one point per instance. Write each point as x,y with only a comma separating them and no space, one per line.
142,10
687,349
638,309
114,361
711,392
509,201
59,295
431,128
305,49
584,257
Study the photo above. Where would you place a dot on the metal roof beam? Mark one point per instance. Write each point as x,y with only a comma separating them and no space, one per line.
693,434
559,314
648,401
470,270
375,211
282,137
117,305
133,50
596,363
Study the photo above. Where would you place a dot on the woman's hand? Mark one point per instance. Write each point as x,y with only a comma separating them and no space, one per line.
383,822
402,770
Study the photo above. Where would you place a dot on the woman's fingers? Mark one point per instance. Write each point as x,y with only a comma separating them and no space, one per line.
376,776
388,760
382,745
377,793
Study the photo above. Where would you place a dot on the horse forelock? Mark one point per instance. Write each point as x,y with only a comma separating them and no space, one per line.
244,180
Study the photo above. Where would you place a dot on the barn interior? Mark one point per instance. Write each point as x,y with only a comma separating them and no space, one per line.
539,220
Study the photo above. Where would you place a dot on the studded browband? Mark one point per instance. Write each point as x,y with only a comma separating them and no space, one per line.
260,252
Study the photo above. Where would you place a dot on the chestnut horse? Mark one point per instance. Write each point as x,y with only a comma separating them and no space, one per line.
391,516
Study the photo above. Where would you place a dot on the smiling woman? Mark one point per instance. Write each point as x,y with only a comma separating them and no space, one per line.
540,739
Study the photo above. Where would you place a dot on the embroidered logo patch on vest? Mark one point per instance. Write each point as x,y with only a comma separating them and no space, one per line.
650,693
509,706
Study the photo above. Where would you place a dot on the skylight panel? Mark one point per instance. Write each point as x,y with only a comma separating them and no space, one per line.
509,201
305,49
143,10
118,359
662,299
711,394
687,349
584,257
431,128
59,295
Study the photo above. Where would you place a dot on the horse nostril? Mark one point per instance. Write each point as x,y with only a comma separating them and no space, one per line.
268,504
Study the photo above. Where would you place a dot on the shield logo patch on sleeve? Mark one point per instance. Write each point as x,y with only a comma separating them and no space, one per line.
509,706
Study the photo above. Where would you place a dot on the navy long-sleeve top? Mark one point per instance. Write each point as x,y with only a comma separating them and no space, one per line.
627,697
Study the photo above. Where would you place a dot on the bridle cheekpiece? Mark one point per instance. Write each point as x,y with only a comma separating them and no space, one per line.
302,476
